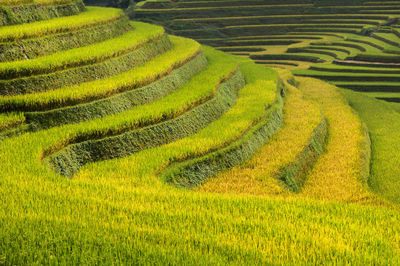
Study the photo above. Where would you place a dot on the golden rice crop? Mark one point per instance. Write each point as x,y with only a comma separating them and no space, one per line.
258,176
338,174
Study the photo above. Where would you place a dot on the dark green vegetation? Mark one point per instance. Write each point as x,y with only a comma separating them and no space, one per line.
112,131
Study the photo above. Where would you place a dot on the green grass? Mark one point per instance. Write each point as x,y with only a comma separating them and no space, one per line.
270,175
390,38
314,54
230,140
383,123
369,86
354,69
377,57
114,212
326,54
172,127
383,94
83,55
349,51
220,67
8,120
92,17
340,42
124,211
355,76
368,39
193,93
120,102
18,12
148,228
328,21
138,219
137,77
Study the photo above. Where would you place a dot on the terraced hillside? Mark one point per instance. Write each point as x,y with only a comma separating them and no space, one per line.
353,44
111,132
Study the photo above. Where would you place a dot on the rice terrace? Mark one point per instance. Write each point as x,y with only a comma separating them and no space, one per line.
200,132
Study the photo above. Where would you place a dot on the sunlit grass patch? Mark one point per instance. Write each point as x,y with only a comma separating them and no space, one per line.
341,173
199,89
248,110
383,123
83,55
184,49
260,176
8,120
93,16
125,211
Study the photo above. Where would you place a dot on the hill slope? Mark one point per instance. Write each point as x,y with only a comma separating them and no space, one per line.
353,45
112,131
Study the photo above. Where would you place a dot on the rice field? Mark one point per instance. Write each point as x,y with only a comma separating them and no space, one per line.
333,35
26,11
93,16
123,143
81,56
